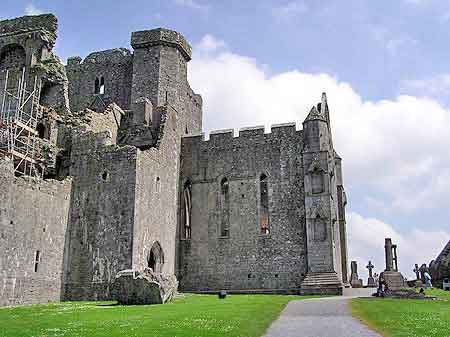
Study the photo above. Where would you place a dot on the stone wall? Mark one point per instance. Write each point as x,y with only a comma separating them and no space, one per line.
160,75
246,258
114,66
33,218
101,215
156,198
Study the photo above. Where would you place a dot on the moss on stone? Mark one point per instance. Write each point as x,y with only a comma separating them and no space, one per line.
52,69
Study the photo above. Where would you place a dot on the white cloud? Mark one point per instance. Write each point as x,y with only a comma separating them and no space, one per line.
289,10
435,86
192,4
210,43
366,242
397,148
30,9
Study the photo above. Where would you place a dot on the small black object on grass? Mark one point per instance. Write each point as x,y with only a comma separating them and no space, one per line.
222,294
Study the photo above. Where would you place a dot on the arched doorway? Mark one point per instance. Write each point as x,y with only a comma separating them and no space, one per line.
155,258
12,56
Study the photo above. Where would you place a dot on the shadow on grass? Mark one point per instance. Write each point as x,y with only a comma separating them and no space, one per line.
108,305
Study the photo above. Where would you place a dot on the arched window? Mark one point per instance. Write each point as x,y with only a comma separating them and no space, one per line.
97,86
317,181
12,56
102,86
263,204
187,207
224,208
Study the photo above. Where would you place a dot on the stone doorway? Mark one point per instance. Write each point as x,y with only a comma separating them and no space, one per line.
155,259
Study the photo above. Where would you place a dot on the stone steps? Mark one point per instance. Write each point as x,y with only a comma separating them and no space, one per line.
321,283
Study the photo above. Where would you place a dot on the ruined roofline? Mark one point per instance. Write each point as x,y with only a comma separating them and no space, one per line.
25,24
161,36
114,55
274,129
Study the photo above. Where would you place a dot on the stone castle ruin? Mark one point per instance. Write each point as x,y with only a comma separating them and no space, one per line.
103,168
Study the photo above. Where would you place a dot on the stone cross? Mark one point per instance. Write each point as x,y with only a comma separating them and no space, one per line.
417,271
370,266
394,257
388,253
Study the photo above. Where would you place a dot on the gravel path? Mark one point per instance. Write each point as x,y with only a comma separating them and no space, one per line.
326,317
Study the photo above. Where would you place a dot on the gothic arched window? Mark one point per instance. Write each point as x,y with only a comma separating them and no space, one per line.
187,208
224,203
263,204
102,86
97,86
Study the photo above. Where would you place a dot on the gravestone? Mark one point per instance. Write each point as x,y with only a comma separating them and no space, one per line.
418,283
423,269
370,281
354,279
392,278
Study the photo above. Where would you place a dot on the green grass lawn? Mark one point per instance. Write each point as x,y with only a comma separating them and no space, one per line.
191,315
406,318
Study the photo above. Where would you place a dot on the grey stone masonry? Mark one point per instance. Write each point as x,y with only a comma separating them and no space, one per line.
127,181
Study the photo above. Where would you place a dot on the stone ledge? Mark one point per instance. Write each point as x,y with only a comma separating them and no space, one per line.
161,36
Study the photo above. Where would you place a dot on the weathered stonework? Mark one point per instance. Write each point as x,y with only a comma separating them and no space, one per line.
128,182
440,268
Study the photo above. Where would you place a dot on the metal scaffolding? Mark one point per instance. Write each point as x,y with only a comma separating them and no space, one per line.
19,112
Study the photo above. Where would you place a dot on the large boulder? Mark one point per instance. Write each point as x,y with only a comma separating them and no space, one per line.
143,287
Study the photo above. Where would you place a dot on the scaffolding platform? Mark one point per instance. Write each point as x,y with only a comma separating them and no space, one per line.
19,113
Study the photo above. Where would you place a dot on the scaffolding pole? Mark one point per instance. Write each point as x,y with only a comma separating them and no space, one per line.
19,114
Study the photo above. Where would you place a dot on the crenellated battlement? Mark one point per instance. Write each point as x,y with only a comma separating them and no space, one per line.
161,36
256,132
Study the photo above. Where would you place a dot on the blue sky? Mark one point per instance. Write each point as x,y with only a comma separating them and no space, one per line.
384,64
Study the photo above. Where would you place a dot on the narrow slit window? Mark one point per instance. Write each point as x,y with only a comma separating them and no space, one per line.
264,204
187,203
224,208
102,86
158,184
97,86
37,259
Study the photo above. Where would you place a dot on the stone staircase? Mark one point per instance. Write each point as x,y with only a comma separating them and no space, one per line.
326,283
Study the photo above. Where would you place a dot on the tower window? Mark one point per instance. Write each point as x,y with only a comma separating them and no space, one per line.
187,208
37,259
224,203
99,86
102,86
263,204
157,184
